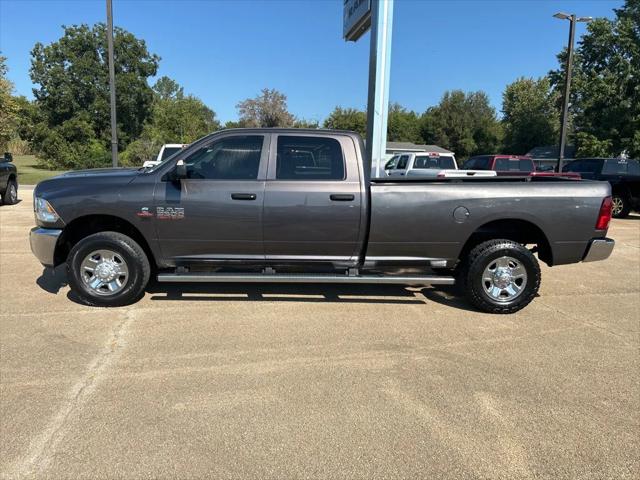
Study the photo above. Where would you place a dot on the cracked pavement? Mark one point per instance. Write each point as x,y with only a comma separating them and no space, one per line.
276,381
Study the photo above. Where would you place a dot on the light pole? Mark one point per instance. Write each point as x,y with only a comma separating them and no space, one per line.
567,81
112,86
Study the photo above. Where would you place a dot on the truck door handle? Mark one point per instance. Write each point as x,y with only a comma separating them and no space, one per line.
342,197
243,196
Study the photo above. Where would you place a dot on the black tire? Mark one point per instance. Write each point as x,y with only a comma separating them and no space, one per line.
126,250
482,257
621,206
10,196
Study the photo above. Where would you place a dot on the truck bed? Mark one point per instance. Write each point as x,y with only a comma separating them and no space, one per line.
431,219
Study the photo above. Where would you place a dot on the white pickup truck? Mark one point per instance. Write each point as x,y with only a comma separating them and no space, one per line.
165,152
429,164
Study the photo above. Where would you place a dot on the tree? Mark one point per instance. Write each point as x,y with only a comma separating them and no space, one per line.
347,119
464,123
530,116
403,125
269,109
302,123
605,87
175,118
73,94
8,107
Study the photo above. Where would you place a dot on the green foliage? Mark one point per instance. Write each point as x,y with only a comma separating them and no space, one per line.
175,118
73,94
347,119
8,107
588,145
269,109
605,88
302,123
464,123
530,117
403,125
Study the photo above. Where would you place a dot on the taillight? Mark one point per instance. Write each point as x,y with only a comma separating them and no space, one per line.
604,216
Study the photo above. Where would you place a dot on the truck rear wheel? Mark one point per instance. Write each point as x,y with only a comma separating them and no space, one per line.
500,276
108,269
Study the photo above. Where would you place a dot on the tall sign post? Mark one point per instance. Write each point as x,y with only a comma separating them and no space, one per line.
567,81
112,86
360,15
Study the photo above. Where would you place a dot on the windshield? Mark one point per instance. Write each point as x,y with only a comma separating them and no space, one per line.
441,162
168,151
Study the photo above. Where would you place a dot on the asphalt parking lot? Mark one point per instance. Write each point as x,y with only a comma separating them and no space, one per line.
319,382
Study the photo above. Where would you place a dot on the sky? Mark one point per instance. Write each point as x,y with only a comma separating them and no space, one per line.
224,51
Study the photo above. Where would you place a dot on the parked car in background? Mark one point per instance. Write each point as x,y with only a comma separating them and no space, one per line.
419,164
165,152
623,175
8,180
513,166
296,205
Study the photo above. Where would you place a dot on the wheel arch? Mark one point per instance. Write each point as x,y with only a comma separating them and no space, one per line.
86,225
516,229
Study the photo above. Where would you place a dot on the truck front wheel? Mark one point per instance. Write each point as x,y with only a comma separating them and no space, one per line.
108,269
500,276
621,207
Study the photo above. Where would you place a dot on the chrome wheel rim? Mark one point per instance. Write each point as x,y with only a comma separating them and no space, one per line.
13,193
618,204
104,272
504,279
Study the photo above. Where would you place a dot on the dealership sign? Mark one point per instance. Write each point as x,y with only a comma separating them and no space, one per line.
356,18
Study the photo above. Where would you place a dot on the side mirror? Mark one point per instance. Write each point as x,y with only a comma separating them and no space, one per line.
181,170
8,157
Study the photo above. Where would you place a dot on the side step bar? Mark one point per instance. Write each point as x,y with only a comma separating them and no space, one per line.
302,278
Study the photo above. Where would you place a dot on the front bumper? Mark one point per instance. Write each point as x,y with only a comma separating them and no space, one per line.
43,244
599,249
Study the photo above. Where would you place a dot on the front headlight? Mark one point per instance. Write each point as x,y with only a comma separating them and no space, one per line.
44,211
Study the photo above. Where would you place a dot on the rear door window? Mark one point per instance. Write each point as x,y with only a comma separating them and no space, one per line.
309,158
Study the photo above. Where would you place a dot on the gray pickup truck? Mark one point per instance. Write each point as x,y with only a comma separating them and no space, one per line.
288,205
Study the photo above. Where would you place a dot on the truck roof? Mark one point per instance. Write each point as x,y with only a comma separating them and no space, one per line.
287,130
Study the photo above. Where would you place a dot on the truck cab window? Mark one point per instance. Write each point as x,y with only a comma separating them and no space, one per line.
309,158
402,163
231,158
391,163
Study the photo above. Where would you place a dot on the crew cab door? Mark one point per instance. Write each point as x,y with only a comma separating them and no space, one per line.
216,212
312,206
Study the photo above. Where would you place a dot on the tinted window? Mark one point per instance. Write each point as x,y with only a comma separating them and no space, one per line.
442,162
309,158
575,166
402,163
514,165
390,164
586,166
477,163
231,158
167,152
621,167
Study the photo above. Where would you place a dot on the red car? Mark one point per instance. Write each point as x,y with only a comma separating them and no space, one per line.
512,165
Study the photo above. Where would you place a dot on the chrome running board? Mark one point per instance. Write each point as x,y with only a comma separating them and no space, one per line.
303,278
